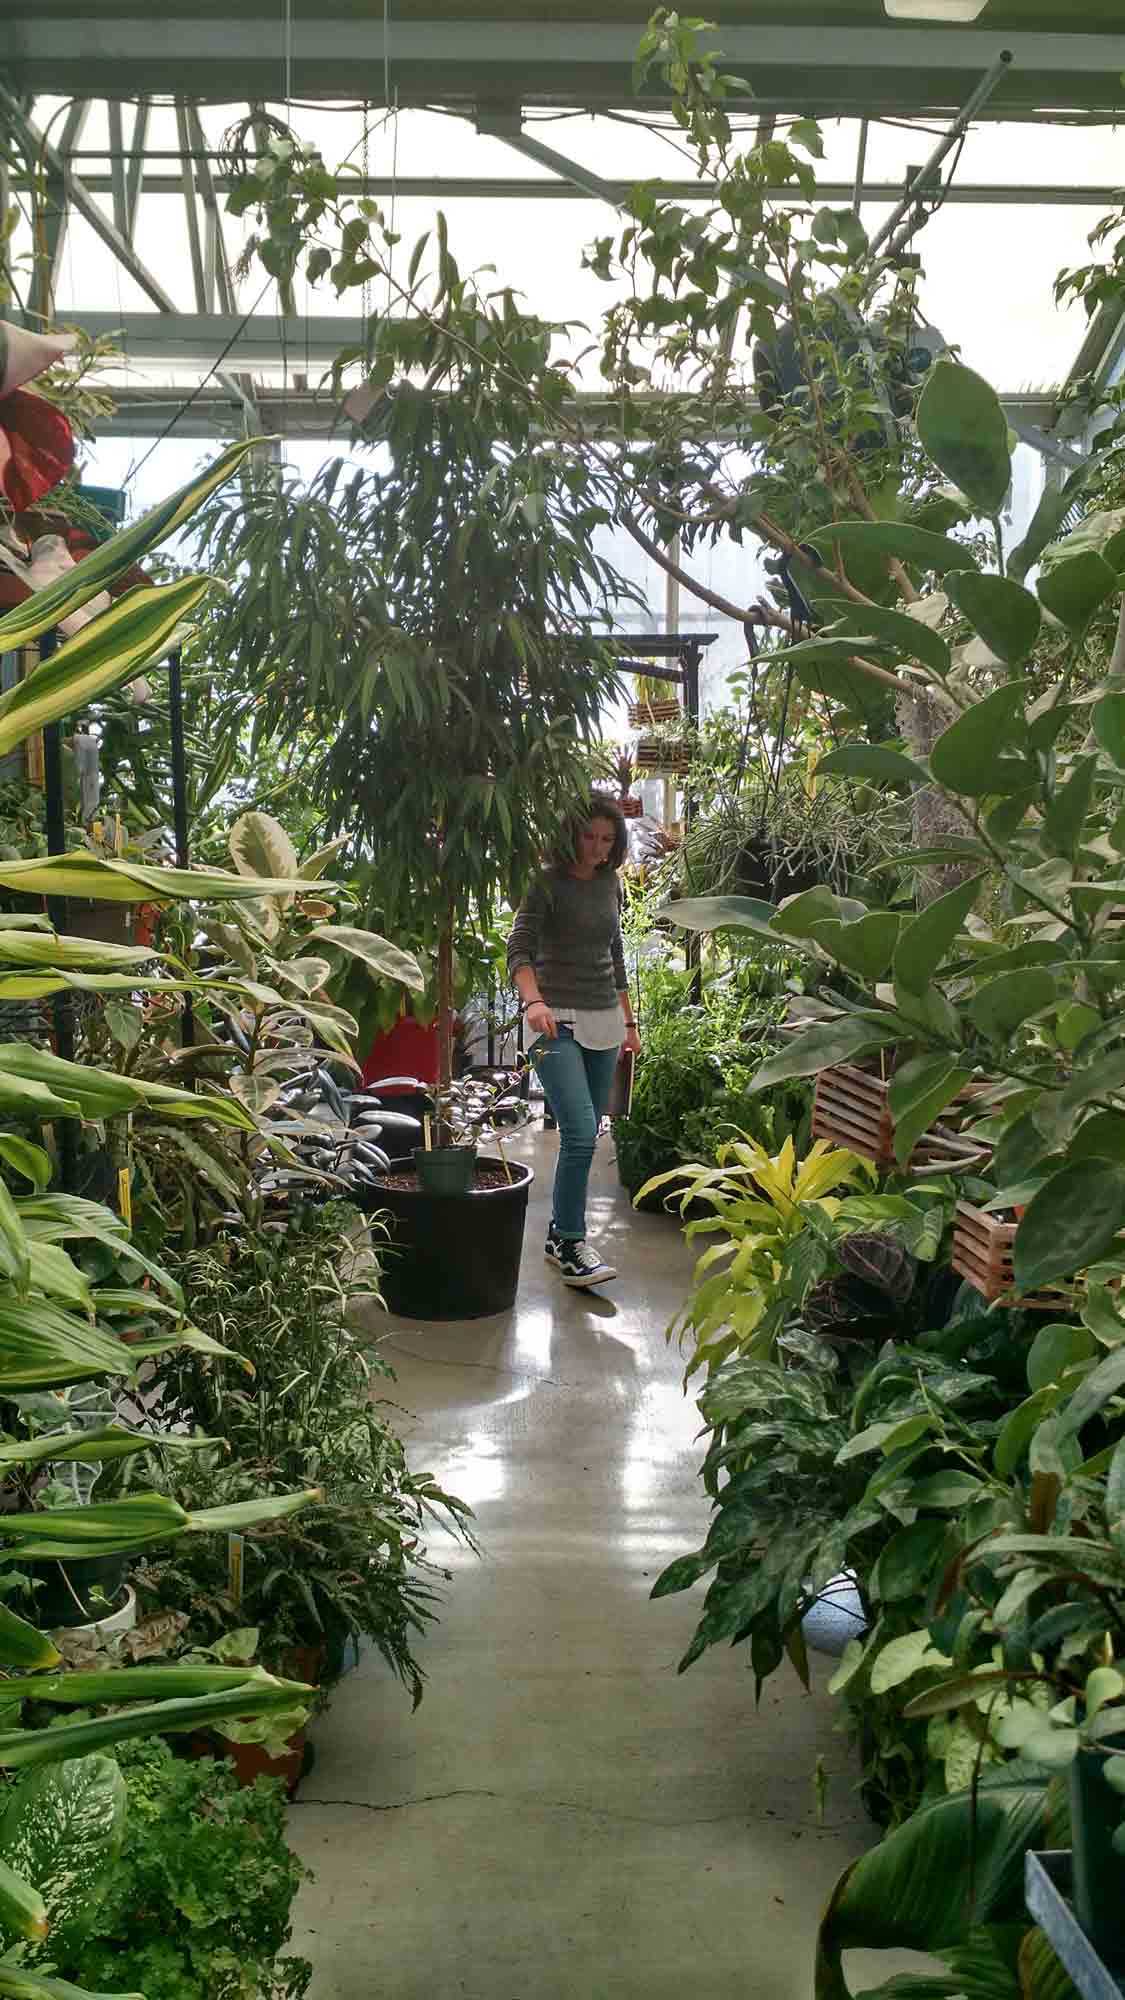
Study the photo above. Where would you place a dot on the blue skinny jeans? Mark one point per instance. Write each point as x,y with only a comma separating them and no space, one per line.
576,1084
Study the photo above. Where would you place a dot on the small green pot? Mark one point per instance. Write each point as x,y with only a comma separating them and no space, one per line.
1095,1815
446,1170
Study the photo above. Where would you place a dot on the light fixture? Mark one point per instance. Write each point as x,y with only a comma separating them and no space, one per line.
934,10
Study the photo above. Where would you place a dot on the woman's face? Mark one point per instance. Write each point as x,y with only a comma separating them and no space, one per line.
595,844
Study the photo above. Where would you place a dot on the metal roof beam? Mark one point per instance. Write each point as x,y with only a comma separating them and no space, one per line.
506,124
224,57
50,210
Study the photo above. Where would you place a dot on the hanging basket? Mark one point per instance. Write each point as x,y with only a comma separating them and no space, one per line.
983,1250
851,1108
665,759
646,714
630,808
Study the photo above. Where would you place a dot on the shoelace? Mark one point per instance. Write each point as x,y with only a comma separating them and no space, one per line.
584,1257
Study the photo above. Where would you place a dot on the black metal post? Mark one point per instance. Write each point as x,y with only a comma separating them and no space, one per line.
690,660
62,1007
180,806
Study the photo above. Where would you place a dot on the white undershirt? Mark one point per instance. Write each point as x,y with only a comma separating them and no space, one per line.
594,1027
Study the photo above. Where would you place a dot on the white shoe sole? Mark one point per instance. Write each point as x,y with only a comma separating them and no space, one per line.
600,1277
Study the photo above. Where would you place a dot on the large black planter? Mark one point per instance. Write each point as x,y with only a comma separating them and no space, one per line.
453,1256
77,1592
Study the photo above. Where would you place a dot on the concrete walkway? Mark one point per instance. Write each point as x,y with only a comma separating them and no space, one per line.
566,1818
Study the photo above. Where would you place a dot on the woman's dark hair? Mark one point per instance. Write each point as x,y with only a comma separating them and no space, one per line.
598,806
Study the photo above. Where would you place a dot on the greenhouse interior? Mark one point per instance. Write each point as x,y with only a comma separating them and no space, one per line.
562,1001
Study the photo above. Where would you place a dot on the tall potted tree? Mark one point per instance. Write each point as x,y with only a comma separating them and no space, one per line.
464,678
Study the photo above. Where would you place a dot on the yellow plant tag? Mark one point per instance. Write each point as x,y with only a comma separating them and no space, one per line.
125,1196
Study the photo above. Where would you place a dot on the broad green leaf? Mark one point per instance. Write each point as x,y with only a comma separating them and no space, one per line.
1092,1395
969,756
907,1564
23,1913
23,1644
919,1092
111,649
871,760
1070,1223
107,881
963,428
1074,585
19,1982
174,1103
30,1161
909,636
722,913
111,559
260,846
1065,817
43,1347
866,946
91,1687
62,1828
257,1695
1054,506
91,1447
98,1093
895,538
383,960
954,1865
1019,1427
249,1513
797,916
1055,1349
1006,616
1108,722
924,942
1003,1004
69,1532
888,1436
901,1659
818,1047
314,867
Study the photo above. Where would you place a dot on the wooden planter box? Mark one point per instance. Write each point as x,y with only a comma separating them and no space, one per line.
667,759
631,808
851,1108
982,1253
646,714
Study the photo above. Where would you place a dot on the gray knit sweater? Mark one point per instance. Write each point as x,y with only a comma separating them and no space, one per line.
570,931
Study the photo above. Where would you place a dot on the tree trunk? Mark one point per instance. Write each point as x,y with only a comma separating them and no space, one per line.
445,1015
922,717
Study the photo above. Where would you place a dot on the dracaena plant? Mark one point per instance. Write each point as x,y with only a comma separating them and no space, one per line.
58,1329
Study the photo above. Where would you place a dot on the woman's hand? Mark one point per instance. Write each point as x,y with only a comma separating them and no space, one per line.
633,1039
541,1021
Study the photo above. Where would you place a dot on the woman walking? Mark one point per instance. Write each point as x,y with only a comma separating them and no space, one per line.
566,959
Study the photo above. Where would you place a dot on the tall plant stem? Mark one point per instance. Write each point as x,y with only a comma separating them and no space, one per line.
445,1008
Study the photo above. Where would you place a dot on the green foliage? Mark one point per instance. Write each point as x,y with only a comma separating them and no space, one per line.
355,1563
198,1901
690,1087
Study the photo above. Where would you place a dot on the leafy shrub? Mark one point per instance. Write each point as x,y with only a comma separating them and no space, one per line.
198,1902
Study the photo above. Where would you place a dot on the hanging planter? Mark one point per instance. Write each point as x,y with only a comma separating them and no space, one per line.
665,759
630,808
851,1107
646,714
983,1250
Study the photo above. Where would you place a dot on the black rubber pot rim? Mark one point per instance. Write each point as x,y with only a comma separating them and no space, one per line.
522,1176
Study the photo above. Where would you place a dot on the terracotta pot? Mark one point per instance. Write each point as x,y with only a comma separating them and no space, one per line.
251,1761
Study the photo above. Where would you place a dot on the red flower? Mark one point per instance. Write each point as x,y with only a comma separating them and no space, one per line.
36,447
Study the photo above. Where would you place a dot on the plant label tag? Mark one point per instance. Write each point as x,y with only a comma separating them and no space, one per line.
125,1196
236,1548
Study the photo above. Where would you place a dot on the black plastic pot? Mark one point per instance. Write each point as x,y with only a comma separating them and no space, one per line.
1095,1815
445,1169
453,1256
95,1581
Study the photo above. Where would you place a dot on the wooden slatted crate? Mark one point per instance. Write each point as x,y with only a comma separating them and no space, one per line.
850,1108
646,714
983,1250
